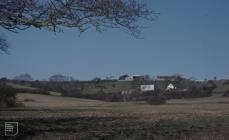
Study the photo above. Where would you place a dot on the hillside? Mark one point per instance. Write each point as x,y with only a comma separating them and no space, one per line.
29,88
58,117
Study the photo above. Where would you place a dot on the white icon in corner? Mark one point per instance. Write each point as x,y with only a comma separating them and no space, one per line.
11,128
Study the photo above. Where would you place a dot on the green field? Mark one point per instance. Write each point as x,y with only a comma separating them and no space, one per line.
108,87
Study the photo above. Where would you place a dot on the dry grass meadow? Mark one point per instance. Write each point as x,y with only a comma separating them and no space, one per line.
57,117
215,105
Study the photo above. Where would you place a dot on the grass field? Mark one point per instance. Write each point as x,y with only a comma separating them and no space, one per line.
208,105
56,117
109,87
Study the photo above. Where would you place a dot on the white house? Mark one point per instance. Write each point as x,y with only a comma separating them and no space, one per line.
126,78
170,87
145,88
129,78
132,77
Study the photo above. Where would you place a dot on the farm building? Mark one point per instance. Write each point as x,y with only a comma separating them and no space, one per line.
132,77
170,87
126,78
145,88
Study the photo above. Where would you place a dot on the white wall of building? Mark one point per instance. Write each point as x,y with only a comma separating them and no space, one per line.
145,88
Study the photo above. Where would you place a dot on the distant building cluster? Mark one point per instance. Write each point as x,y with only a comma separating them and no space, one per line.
151,86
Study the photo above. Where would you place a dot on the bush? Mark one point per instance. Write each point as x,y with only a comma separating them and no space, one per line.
226,94
156,100
196,92
7,96
29,100
114,97
209,86
34,91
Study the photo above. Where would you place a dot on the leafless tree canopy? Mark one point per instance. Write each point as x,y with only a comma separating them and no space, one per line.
16,15
3,44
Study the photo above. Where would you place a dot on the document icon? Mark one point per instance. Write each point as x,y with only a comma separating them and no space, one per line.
11,128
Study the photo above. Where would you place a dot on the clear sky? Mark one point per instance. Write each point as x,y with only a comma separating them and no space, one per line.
190,37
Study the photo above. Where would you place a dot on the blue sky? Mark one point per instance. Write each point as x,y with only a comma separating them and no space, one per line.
190,37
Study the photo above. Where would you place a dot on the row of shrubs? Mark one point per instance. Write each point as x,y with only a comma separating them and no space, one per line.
186,94
118,97
34,91
156,97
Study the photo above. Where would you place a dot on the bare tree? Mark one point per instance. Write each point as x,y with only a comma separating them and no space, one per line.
16,15
23,77
4,45
60,78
